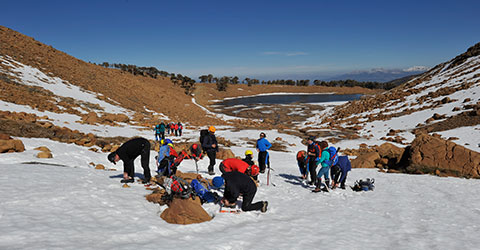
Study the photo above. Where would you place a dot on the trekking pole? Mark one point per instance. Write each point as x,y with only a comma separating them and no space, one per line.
196,165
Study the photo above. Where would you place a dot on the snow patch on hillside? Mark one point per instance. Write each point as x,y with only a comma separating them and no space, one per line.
34,77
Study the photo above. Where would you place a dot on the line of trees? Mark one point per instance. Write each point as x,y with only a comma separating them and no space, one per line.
188,83
223,81
184,82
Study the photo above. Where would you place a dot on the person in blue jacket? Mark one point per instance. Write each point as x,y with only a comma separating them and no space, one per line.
339,171
324,163
262,146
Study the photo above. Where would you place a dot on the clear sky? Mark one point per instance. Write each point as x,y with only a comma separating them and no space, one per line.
252,38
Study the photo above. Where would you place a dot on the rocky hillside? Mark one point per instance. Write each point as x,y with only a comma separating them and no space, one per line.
24,59
444,100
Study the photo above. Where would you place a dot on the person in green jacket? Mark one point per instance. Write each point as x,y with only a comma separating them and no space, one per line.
325,167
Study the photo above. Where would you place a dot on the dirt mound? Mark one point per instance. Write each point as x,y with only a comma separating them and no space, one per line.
185,211
429,154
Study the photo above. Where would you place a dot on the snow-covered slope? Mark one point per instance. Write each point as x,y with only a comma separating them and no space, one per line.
72,206
447,90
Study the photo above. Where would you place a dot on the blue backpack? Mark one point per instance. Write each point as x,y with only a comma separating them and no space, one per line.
203,193
333,156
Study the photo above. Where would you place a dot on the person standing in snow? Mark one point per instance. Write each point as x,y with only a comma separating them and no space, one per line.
175,125
168,128
128,152
262,146
237,184
339,171
180,128
211,147
157,132
313,154
325,166
162,130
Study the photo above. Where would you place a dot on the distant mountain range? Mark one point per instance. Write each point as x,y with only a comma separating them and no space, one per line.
380,74
372,75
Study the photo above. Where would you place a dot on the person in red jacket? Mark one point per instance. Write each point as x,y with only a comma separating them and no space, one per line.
234,164
176,129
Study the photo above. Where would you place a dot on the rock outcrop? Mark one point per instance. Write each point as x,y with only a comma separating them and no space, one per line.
429,154
9,145
225,154
366,160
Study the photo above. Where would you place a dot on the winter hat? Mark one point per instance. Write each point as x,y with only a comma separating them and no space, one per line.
218,182
111,157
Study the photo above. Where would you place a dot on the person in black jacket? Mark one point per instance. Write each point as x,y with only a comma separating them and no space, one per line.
211,147
237,184
127,153
313,156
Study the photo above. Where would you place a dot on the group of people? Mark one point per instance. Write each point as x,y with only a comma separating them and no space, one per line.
171,129
320,154
239,176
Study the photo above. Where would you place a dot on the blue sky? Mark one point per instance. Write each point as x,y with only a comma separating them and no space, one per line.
252,38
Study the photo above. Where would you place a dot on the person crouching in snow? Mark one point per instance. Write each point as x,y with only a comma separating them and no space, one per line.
339,171
234,164
237,184
196,152
128,152
166,154
302,164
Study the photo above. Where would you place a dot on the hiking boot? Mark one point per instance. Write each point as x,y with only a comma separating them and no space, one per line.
262,171
211,172
145,182
316,190
342,186
264,207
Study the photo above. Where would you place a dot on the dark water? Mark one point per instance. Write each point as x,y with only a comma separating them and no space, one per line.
287,99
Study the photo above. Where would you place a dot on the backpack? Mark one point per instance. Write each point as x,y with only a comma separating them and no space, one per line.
204,193
176,186
203,134
364,185
333,156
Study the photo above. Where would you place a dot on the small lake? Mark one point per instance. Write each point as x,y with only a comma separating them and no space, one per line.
288,99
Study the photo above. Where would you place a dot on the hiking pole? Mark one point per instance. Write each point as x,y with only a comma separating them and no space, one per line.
196,165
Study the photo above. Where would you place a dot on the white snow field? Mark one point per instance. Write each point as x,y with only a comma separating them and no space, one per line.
73,206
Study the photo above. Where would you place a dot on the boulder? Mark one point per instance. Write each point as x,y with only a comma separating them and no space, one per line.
185,211
42,154
43,149
11,145
366,160
225,154
390,151
429,154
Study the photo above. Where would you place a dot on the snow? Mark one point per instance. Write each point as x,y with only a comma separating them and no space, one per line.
74,206
64,203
